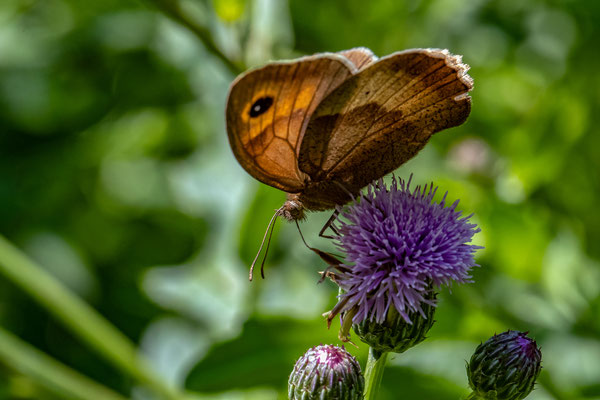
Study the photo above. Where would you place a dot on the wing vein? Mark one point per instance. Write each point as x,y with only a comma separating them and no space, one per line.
263,116
394,77
305,124
248,130
351,150
357,92
408,86
275,104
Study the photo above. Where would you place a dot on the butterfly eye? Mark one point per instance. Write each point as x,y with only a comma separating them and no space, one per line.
260,106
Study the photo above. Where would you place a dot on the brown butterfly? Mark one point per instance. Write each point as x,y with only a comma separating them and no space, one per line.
324,126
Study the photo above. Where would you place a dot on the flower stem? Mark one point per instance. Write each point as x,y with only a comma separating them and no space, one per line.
374,373
473,396
79,317
54,376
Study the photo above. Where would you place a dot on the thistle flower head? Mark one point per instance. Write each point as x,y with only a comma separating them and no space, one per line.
326,372
399,244
505,367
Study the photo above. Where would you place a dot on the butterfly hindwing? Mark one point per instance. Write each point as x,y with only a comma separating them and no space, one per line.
268,110
361,57
382,116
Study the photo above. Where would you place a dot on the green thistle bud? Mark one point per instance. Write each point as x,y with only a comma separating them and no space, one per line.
395,334
326,372
505,367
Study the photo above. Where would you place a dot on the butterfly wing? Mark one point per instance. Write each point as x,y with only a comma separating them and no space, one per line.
382,116
361,57
268,110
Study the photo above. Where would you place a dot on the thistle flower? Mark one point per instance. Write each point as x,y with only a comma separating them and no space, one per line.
326,372
505,367
400,245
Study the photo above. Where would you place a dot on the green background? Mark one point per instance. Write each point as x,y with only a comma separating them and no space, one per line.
117,179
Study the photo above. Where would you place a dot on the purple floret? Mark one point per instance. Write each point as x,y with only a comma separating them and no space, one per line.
398,245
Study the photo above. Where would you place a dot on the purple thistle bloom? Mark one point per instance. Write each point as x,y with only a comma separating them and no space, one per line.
398,243
326,372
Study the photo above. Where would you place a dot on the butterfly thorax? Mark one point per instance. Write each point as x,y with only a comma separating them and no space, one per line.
316,196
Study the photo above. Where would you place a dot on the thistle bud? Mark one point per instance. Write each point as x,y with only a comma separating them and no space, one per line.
326,372
505,367
395,334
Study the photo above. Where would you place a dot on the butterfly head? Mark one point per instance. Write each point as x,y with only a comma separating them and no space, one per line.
292,209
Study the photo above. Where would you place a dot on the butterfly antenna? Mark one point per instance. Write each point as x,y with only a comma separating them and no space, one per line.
269,227
262,264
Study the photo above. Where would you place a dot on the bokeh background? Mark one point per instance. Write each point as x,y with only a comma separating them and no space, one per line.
116,178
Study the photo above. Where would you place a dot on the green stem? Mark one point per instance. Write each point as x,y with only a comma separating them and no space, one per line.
374,373
79,317
473,396
50,373
171,9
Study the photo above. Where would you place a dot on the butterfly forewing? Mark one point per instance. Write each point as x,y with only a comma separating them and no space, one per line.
382,116
282,96
269,108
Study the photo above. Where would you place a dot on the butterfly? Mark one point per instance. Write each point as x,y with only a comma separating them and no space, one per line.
322,127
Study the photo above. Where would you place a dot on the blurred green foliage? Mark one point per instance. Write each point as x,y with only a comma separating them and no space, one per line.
116,176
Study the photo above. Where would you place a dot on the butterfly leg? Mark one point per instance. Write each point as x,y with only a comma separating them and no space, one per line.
329,224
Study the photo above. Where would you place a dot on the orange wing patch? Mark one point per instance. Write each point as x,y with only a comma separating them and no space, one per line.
268,110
